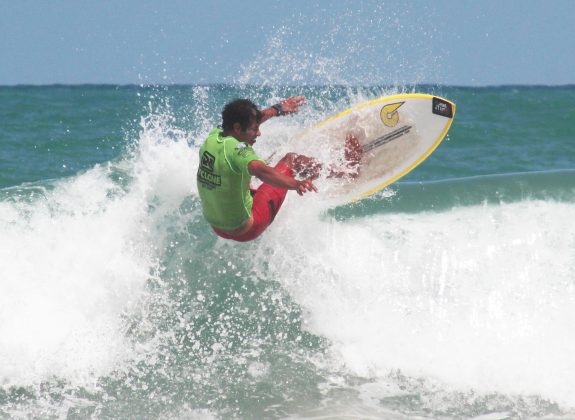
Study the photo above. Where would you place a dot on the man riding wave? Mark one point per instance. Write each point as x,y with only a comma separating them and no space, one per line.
228,161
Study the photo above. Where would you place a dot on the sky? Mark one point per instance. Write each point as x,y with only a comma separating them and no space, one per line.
445,42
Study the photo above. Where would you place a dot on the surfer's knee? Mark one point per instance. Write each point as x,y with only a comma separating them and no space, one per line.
302,165
289,160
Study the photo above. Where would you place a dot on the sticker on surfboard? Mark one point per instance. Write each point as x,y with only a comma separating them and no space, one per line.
396,133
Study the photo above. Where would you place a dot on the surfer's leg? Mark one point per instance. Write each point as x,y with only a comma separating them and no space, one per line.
267,202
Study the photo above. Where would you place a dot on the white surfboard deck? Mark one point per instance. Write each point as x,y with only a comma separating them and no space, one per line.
396,134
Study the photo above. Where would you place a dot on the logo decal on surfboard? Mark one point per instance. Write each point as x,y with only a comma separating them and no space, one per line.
441,107
389,115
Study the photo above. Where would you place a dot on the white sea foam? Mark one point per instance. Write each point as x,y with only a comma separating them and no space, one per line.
75,261
479,298
476,298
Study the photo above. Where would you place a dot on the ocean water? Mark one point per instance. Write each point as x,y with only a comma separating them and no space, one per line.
450,294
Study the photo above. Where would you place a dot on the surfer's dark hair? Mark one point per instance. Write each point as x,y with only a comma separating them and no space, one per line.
241,111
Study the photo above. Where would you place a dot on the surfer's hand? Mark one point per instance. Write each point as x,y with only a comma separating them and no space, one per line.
305,186
292,104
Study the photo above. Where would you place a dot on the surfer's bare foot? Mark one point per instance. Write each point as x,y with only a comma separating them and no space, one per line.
352,154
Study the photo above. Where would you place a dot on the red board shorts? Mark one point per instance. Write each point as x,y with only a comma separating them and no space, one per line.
267,202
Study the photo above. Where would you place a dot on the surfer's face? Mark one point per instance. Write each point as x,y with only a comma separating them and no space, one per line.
250,134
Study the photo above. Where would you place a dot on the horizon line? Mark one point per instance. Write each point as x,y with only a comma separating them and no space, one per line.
242,85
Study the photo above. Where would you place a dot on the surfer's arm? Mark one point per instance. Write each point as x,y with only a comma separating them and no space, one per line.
287,106
273,177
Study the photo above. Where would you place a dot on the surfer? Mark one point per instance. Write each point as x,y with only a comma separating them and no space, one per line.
228,161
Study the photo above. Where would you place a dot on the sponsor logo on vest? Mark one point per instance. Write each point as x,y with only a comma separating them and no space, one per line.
206,174
208,161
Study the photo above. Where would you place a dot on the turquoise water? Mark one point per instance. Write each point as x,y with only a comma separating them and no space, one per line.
449,294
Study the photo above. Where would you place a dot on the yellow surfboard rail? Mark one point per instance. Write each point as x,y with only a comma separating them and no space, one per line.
390,99
422,157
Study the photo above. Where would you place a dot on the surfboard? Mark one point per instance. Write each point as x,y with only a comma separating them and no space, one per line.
396,134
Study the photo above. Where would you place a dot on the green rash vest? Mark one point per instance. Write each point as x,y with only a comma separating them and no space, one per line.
224,180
